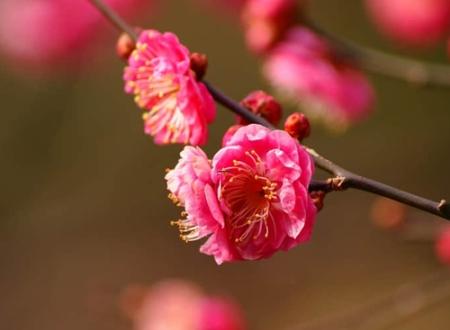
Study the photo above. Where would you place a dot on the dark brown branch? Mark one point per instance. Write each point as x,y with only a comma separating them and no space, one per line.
342,180
114,18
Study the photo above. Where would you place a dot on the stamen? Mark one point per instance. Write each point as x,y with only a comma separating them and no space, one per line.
249,194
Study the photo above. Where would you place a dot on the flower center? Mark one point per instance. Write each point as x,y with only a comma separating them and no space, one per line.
248,194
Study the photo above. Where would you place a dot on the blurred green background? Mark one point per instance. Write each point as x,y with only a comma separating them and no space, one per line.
84,209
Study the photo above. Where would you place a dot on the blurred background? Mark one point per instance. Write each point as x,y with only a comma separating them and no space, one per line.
84,209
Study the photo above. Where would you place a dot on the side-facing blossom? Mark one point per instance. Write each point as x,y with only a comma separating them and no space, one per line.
181,305
412,22
252,200
177,106
43,34
304,68
265,21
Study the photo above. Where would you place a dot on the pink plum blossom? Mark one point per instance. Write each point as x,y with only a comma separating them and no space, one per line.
181,305
229,133
442,246
265,21
305,69
252,200
43,34
412,22
177,106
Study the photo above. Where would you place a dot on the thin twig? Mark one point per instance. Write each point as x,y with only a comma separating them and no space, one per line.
389,65
114,18
343,179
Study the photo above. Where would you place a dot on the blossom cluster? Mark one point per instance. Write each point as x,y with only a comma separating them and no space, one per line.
302,66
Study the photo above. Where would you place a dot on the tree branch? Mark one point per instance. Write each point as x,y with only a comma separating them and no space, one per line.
343,179
388,65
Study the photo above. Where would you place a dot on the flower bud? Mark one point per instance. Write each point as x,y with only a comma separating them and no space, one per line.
125,46
442,246
199,64
264,105
297,125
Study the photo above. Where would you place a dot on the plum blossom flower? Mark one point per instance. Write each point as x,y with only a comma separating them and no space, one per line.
43,34
181,305
229,133
177,106
411,22
251,201
305,69
265,21
442,246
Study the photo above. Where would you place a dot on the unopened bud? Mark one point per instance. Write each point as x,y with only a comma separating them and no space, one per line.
125,46
318,198
199,64
264,105
297,125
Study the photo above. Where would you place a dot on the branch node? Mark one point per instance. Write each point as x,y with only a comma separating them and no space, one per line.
337,183
444,207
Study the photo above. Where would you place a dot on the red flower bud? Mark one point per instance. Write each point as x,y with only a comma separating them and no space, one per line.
264,105
199,64
125,46
297,125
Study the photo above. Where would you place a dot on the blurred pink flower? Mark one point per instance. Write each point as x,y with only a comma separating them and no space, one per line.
413,22
255,201
180,305
305,69
43,34
265,21
442,246
178,107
